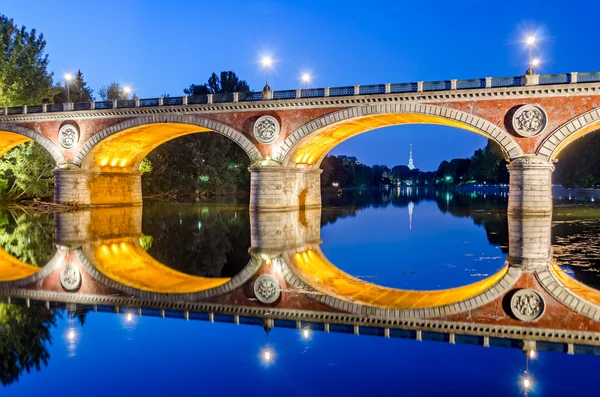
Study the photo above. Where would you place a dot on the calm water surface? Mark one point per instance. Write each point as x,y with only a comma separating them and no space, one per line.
412,239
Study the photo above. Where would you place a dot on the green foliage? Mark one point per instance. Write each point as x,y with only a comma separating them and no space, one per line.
227,82
26,172
146,242
579,163
486,165
114,92
145,166
79,91
28,237
24,76
24,334
197,165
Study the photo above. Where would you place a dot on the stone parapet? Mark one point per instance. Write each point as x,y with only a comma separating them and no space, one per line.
279,188
81,187
530,186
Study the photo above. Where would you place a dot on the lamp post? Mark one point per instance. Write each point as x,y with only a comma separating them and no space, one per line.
305,79
127,91
68,78
530,43
266,62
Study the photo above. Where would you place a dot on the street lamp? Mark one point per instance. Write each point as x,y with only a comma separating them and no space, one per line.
266,62
305,79
530,40
127,90
68,78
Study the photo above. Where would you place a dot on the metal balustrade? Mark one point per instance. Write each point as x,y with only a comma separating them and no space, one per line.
554,79
287,94
374,89
588,77
404,87
470,84
436,86
341,91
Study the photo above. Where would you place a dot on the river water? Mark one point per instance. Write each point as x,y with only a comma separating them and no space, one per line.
412,239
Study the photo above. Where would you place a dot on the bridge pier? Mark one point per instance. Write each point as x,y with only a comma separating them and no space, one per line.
73,185
529,241
530,186
276,188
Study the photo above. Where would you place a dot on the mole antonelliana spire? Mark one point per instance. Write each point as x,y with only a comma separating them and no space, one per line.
411,165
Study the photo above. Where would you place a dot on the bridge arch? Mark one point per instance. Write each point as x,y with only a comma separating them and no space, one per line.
15,273
569,132
310,143
12,136
122,146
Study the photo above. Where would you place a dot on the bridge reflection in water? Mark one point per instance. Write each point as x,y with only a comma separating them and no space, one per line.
101,264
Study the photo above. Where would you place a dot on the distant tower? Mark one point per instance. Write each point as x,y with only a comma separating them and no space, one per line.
411,207
411,165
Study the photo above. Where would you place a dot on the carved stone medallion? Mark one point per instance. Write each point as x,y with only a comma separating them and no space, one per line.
68,136
70,278
527,305
267,289
529,120
266,129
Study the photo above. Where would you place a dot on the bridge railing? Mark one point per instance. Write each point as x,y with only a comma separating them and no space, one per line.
374,89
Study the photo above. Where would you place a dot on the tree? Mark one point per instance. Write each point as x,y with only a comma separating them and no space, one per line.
28,237
26,172
114,92
488,165
79,91
24,76
24,334
579,163
227,82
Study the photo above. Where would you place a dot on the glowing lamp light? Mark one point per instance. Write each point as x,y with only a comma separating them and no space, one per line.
129,317
305,333
68,76
71,335
530,40
535,62
526,382
532,354
127,90
266,61
267,356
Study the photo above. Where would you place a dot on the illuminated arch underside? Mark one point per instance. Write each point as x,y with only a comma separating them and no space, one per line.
315,146
126,262
12,269
315,270
563,144
10,140
125,150
581,290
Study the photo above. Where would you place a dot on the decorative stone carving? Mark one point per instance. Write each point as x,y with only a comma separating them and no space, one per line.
267,289
530,161
527,305
529,121
70,278
266,129
68,136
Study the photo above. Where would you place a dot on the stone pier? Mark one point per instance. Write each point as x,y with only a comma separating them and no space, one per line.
76,186
276,188
530,186
529,241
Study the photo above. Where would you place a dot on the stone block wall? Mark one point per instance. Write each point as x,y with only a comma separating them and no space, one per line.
530,186
284,188
76,186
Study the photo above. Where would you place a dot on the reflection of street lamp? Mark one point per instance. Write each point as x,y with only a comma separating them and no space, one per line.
267,353
68,78
306,333
266,62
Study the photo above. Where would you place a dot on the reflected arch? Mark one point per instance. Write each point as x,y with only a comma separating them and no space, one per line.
12,136
126,267
122,146
16,273
575,128
333,287
309,144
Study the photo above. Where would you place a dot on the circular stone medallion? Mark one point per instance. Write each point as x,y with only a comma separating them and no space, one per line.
527,305
68,136
267,289
529,120
70,278
266,129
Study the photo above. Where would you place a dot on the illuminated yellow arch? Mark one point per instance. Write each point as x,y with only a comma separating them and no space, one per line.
125,262
569,132
313,269
12,269
12,136
123,146
310,143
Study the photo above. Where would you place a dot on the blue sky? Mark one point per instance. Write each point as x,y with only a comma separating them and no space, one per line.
161,47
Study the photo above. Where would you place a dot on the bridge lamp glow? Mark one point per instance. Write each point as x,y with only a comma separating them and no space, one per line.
532,354
535,62
71,334
306,333
526,383
305,79
129,317
266,61
68,77
127,90
530,40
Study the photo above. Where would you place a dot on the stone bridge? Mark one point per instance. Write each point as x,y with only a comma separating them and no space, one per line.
98,146
100,262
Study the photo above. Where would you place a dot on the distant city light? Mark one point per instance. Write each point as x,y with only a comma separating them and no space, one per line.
335,184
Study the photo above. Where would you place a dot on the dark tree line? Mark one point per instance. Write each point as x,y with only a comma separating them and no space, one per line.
579,163
487,165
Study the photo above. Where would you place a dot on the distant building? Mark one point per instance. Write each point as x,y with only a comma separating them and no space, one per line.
411,165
